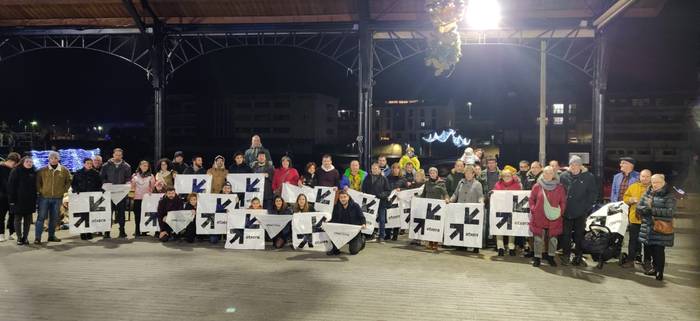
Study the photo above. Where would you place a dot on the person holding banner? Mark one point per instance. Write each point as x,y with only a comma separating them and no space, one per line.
302,205
279,207
506,182
165,173
455,176
632,197
227,189
86,179
353,177
143,182
468,190
5,169
197,167
409,174
309,178
117,171
328,175
52,182
239,165
21,194
547,204
376,184
582,194
435,189
190,231
284,174
218,174
656,208
169,202
346,211
396,183
255,204
262,166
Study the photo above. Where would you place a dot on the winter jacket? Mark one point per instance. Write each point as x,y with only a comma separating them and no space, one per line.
468,192
386,171
615,193
347,181
251,155
285,211
581,191
53,183
405,160
282,175
435,189
659,205
270,171
531,179
218,178
166,205
4,177
142,185
522,177
192,171
635,190
328,178
538,220
452,180
352,214
240,169
490,178
310,180
86,181
167,178
396,182
116,173
378,186
21,190
513,185
180,168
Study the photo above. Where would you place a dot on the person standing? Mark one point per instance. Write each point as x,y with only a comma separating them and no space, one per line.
468,190
524,168
52,182
21,193
506,182
179,165
622,180
455,176
239,165
284,174
218,174
409,174
97,162
328,176
117,171
534,173
396,183
143,183
656,208
5,169
353,177
377,184
263,166
632,197
309,178
251,155
581,193
547,203
166,174
555,165
86,179
434,189
383,165
410,157
197,167
346,211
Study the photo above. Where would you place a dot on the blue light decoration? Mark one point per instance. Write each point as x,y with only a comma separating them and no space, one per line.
457,140
70,158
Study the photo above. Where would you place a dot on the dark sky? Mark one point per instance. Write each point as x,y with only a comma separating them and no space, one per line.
646,55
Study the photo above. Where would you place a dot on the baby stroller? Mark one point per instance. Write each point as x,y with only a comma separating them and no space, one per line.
605,233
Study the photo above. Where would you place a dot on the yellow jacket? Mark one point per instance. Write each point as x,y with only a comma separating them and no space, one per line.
405,159
635,190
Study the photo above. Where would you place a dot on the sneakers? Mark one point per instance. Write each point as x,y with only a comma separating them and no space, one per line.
550,260
536,262
11,237
54,239
501,252
2,238
37,242
122,234
333,252
511,252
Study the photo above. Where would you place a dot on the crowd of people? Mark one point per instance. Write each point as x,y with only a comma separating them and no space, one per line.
560,199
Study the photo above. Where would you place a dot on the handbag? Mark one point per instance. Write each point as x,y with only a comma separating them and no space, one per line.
552,213
663,227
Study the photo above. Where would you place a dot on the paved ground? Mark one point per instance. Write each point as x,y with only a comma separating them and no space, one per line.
147,280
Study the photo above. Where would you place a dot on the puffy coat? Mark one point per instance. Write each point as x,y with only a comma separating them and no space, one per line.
659,205
86,181
538,220
21,190
581,191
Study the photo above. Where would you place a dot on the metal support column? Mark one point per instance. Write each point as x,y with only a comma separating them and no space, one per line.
158,81
600,81
364,84
543,102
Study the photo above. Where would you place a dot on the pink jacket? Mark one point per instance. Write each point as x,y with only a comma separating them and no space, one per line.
142,185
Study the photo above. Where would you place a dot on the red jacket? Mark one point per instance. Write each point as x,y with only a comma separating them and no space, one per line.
513,185
539,221
282,175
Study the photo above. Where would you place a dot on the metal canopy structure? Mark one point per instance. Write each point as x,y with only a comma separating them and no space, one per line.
363,37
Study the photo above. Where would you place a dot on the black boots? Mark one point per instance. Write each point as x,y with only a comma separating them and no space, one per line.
536,262
550,260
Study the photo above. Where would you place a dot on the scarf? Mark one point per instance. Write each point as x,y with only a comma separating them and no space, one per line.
548,185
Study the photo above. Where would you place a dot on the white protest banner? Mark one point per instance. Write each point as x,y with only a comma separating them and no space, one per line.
89,212
463,224
370,207
370,223
273,223
117,191
340,234
247,187
615,216
149,212
324,199
393,212
244,231
307,232
405,198
510,213
291,192
190,183
178,220
212,212
427,219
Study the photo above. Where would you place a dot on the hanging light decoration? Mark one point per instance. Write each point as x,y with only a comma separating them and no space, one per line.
445,45
457,140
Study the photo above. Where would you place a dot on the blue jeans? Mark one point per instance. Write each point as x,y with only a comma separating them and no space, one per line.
47,207
381,218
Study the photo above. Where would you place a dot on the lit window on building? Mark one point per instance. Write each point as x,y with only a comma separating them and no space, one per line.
422,124
558,109
572,108
558,120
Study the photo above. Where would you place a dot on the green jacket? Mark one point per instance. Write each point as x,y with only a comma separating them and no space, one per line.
452,181
435,190
53,183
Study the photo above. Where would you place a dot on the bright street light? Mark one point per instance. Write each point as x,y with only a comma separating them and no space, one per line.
483,14
34,123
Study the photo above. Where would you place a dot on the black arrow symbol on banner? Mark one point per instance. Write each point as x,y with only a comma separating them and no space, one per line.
249,222
505,218
208,220
237,235
430,213
152,218
420,226
391,201
241,200
321,198
366,206
95,206
408,217
470,218
252,187
83,217
221,207
459,230
198,187
306,239
521,206
317,225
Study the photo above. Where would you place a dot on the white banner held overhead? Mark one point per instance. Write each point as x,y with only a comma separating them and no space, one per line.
89,212
149,212
324,199
615,216
212,210
244,231
178,220
463,224
427,219
190,183
291,192
340,234
307,233
510,213
405,198
247,187
117,191
273,223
